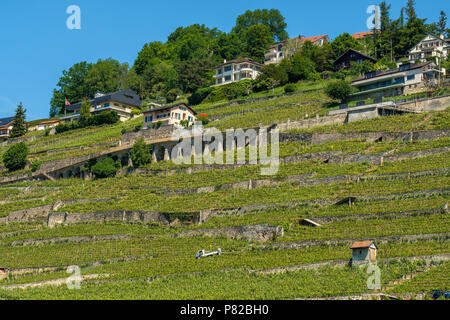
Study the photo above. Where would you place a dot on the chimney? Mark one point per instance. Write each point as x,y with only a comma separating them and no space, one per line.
442,36
225,61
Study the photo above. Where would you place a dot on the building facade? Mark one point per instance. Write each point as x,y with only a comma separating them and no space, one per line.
407,79
169,115
364,252
345,60
430,46
237,70
6,125
287,48
121,102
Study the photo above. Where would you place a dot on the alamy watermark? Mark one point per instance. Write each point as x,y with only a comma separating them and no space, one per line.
374,21
374,281
74,20
209,146
74,281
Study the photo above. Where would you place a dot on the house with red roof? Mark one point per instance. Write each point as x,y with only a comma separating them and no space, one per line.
287,48
365,251
362,35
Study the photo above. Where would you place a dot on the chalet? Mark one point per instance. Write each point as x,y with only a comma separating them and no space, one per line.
121,102
365,251
430,46
279,51
6,125
237,70
407,79
169,115
345,60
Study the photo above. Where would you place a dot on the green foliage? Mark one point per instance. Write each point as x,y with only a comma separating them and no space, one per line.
172,95
102,118
141,154
339,90
19,125
106,168
138,127
301,68
85,113
257,39
35,166
199,95
290,88
270,18
15,158
344,42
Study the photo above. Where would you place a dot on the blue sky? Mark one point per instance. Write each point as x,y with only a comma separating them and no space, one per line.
36,44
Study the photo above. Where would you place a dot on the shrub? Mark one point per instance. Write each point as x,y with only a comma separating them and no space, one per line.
35,166
105,117
15,158
339,90
172,95
290,88
204,119
106,168
138,127
141,154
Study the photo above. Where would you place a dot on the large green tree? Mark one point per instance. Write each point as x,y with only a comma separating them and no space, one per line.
19,125
344,42
272,18
257,39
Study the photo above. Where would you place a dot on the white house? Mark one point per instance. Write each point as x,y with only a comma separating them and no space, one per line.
6,125
169,115
430,46
407,79
279,51
237,70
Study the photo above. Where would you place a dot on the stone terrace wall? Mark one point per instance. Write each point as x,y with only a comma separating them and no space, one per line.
164,132
433,104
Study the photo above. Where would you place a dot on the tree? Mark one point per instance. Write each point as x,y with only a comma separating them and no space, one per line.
15,158
194,74
106,168
85,113
272,71
272,19
344,42
442,24
300,68
105,76
141,154
172,95
411,10
228,46
19,125
256,39
339,90
72,86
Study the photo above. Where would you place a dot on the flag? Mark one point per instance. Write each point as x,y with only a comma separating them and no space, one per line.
67,103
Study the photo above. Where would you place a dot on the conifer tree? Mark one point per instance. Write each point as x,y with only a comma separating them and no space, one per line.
20,125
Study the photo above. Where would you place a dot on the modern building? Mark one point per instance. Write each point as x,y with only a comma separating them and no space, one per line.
345,60
169,115
365,251
407,79
430,46
6,125
279,51
121,102
237,70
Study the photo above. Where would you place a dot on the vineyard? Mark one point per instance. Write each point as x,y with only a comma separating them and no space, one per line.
135,235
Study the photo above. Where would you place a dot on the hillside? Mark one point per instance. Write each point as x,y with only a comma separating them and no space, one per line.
135,236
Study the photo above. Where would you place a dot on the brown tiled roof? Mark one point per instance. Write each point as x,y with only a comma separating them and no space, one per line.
361,245
360,35
314,39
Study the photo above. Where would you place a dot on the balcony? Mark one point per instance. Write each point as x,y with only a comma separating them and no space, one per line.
398,82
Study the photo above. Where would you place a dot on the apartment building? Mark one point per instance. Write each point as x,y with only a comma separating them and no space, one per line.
237,70
430,46
169,115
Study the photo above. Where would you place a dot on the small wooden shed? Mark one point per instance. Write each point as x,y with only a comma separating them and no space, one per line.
364,251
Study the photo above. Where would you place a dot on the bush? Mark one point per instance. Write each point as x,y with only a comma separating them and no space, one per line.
204,119
15,158
35,166
105,117
339,90
141,154
290,88
138,127
172,95
106,168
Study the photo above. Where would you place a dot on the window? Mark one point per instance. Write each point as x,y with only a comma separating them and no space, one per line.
106,105
228,68
411,77
149,119
228,78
